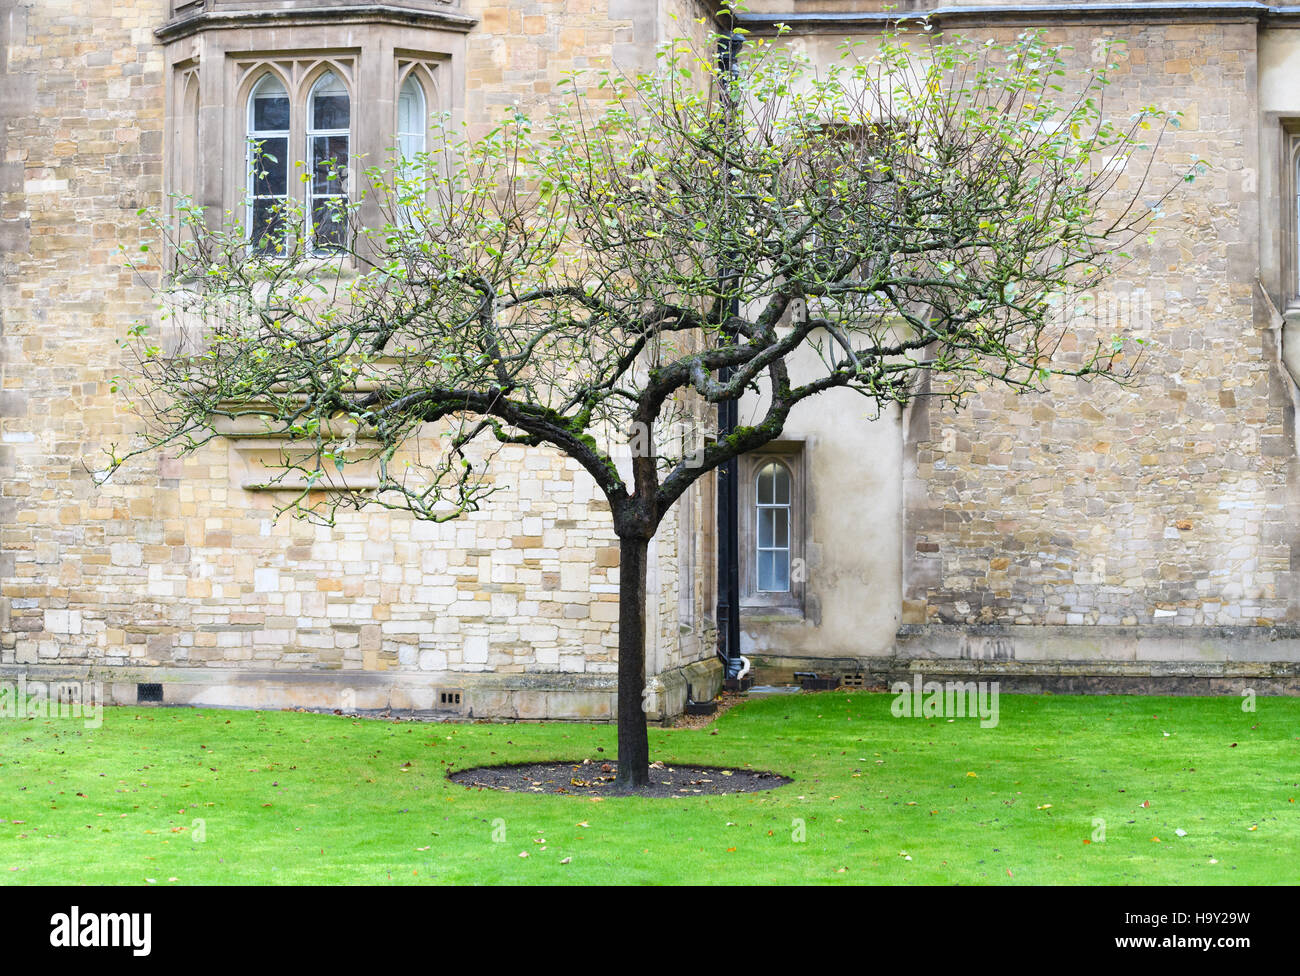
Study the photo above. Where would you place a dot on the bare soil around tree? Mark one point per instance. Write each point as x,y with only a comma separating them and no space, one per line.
595,778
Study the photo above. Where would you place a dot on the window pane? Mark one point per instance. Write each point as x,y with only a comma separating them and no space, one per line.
765,520
774,572
329,157
330,112
765,486
410,145
329,104
781,571
781,479
270,166
270,112
268,224
327,223
780,527
411,121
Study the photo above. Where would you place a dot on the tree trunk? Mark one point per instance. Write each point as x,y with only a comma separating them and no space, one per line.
633,741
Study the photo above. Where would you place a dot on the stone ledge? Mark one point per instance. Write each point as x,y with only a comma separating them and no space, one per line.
1071,677
558,696
554,696
1279,632
1147,643
355,13
1020,15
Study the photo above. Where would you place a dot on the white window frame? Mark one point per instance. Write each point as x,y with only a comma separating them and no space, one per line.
254,137
420,131
762,507
311,134
791,455
299,77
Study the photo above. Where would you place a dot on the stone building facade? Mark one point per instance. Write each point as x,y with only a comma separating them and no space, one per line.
177,572
1099,537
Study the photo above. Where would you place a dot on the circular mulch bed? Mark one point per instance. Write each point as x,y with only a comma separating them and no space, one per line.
596,778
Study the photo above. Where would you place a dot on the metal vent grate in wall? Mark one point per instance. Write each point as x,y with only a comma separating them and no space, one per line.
145,692
852,680
449,699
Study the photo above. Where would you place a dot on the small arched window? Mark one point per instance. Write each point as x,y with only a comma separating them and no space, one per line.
329,122
412,118
772,540
268,162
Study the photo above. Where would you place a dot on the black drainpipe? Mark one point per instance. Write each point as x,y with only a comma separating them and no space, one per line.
728,414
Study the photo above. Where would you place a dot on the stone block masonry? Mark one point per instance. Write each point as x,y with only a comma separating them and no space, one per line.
173,572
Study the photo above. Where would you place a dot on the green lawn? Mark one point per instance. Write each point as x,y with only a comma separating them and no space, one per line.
294,798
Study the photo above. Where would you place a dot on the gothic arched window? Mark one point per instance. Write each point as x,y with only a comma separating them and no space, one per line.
268,162
329,122
412,118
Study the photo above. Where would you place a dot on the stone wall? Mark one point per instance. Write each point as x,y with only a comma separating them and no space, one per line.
1161,503
1128,526
1153,523
173,571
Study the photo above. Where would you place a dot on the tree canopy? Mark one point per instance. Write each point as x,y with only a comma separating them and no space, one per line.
926,207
